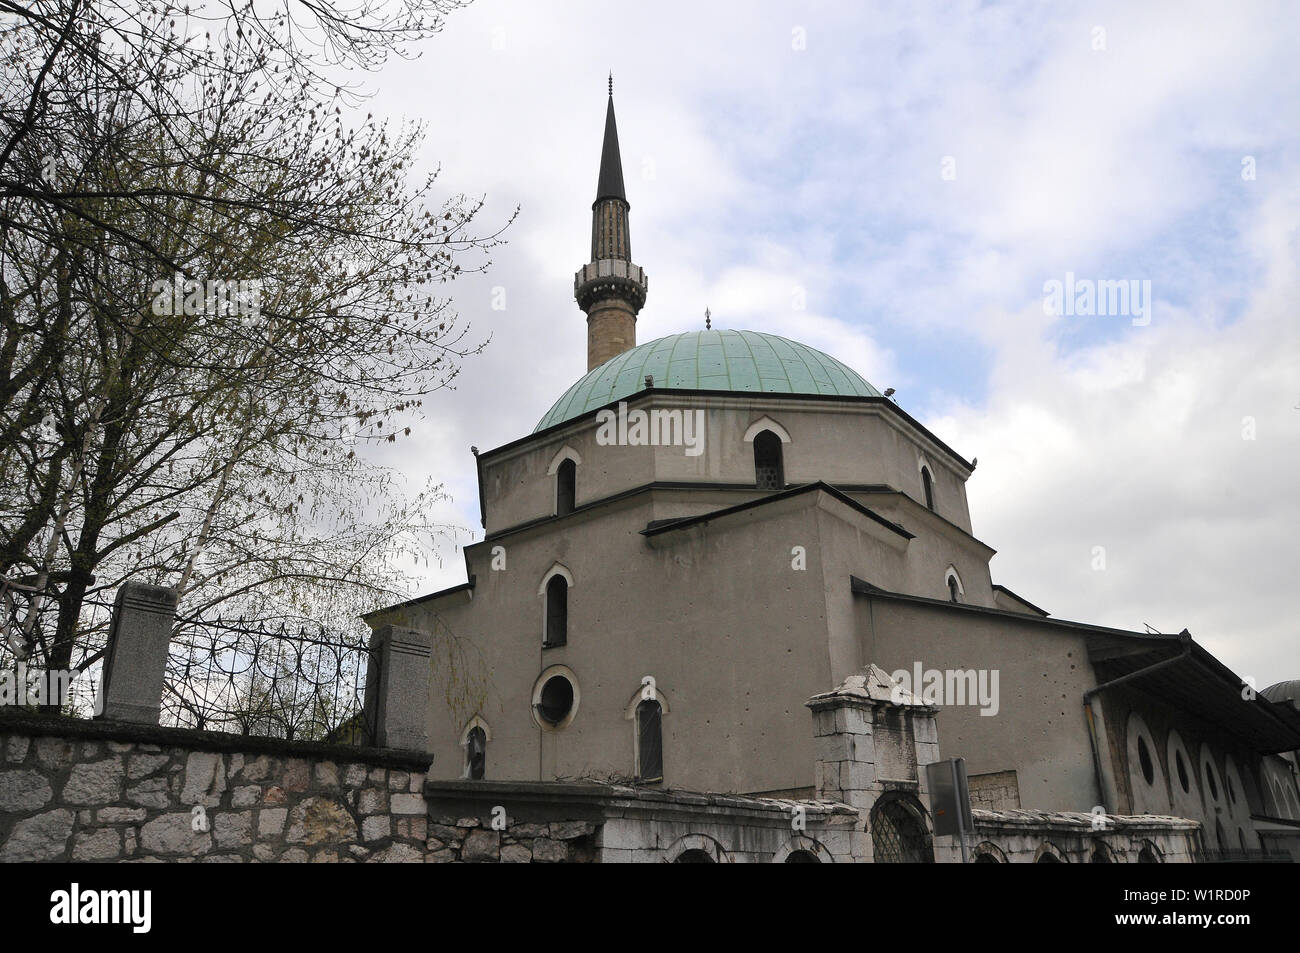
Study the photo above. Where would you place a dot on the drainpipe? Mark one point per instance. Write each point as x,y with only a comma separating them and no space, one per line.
1183,637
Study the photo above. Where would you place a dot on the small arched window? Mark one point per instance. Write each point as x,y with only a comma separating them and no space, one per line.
954,588
769,469
476,754
898,833
566,487
927,484
650,741
557,611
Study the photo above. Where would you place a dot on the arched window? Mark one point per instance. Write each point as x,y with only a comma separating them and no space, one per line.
476,754
899,834
769,469
649,741
557,611
566,490
954,590
928,485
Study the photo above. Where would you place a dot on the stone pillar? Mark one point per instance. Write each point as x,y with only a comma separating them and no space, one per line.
398,699
136,664
871,736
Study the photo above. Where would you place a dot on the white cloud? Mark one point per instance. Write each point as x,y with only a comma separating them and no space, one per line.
774,167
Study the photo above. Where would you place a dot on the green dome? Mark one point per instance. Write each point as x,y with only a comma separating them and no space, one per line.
710,360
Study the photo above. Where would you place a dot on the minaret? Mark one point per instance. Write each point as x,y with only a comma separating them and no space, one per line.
610,288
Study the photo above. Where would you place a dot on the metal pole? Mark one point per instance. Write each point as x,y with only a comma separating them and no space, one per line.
961,813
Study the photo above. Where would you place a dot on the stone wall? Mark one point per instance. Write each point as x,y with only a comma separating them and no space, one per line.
602,822
101,791
1019,836
469,840
994,791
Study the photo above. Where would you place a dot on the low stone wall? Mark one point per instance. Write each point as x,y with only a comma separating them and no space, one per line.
589,822
95,791
1022,836
470,840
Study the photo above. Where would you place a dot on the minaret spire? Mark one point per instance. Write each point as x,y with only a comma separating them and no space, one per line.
610,288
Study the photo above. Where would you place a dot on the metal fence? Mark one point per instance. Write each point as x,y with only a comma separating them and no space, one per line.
241,678
27,621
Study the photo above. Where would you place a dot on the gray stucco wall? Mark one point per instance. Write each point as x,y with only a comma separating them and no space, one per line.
1040,729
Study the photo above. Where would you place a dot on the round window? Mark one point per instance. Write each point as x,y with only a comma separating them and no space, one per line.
556,700
1209,780
1144,760
1182,772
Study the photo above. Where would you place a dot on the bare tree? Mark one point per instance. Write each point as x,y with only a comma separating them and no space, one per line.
214,297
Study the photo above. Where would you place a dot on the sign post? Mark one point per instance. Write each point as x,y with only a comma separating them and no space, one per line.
950,800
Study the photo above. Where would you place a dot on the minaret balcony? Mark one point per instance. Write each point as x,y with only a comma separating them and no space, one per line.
610,278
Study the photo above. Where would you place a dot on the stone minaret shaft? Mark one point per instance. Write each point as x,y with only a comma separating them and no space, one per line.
610,288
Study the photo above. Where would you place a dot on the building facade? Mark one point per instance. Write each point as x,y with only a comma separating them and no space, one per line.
710,529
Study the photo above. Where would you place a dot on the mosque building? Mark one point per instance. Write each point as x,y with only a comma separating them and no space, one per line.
726,582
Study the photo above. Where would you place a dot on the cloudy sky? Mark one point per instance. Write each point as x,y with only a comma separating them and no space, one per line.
917,172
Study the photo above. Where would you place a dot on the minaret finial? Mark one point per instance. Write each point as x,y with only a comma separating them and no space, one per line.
708,324
611,82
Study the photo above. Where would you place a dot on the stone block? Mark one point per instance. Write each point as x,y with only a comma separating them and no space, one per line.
16,748
402,700
23,791
523,831
246,795
567,830
132,682
99,782
516,854
547,851
174,834
354,775
413,828
376,828
620,832
205,779
233,829
151,792
142,765
120,815
327,775
105,844
481,847
297,775
408,804
54,752
259,769
40,838
271,821
320,820
372,801
397,854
